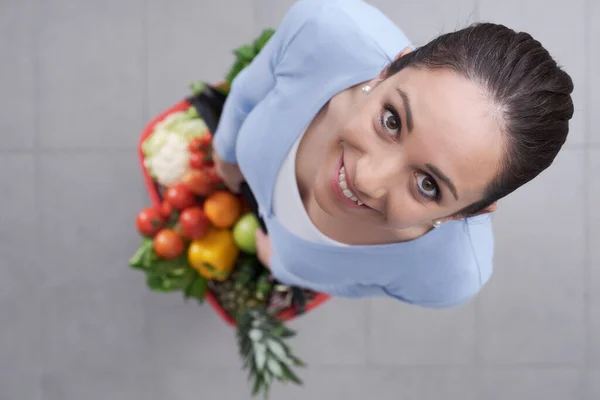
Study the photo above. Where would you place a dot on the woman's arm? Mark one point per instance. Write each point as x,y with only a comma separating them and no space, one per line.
249,87
264,249
255,81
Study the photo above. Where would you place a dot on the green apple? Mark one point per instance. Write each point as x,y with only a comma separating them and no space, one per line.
244,233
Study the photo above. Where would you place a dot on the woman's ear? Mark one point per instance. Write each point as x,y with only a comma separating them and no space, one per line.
404,52
493,207
400,55
488,210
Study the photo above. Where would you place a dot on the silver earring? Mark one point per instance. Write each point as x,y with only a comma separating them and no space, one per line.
366,89
437,223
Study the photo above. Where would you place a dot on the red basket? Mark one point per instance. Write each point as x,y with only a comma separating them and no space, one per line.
156,198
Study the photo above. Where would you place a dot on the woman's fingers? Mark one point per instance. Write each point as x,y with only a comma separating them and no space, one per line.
264,250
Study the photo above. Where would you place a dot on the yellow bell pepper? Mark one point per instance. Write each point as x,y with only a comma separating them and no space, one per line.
214,255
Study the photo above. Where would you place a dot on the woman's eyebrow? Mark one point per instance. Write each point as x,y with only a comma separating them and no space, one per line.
440,175
406,102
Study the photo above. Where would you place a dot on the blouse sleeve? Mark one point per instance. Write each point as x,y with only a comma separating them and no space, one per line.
255,81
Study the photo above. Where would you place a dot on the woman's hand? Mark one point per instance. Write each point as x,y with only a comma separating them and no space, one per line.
228,172
264,251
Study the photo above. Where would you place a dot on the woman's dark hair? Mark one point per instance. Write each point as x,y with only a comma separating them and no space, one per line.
532,92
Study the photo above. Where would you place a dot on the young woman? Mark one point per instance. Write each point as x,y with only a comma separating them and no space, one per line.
376,165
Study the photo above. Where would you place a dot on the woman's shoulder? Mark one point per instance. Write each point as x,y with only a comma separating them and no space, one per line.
334,29
444,268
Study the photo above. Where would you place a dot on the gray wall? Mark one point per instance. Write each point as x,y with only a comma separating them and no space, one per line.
79,80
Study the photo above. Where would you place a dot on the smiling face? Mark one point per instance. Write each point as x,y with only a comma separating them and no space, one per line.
421,145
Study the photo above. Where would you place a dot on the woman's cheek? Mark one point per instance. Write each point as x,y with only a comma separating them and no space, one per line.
405,212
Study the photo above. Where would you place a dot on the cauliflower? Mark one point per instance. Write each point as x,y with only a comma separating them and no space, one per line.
166,153
171,161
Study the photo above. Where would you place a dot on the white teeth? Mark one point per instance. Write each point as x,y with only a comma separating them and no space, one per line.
344,187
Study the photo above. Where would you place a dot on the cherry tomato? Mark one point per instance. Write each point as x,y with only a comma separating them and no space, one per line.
149,221
180,196
198,160
166,209
196,144
194,223
168,244
206,139
199,182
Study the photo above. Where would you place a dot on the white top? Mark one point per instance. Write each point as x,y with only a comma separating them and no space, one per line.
288,206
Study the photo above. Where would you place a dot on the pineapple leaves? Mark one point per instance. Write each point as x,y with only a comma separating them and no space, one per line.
261,345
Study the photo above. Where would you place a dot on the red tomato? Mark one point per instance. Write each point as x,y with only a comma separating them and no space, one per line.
166,209
196,144
149,221
180,196
206,139
168,244
198,160
194,223
199,182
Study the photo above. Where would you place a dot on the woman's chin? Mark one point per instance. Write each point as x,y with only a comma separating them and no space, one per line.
324,199
326,203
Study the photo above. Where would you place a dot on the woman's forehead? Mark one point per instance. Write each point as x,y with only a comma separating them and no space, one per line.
455,126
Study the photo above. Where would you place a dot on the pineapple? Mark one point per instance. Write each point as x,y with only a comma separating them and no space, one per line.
251,296
264,286
240,290
261,345
234,299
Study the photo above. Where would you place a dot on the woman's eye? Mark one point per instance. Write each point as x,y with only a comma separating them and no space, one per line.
390,121
427,186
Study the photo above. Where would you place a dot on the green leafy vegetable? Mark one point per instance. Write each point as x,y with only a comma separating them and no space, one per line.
144,256
196,288
262,40
245,54
168,275
197,87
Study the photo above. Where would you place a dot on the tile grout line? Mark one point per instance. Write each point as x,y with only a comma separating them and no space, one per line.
153,370
66,151
255,27
587,28
587,272
476,11
145,58
38,237
367,332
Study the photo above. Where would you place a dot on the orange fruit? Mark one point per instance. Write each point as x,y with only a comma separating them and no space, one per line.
223,208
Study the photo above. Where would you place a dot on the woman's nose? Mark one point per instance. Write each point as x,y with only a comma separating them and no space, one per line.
374,177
